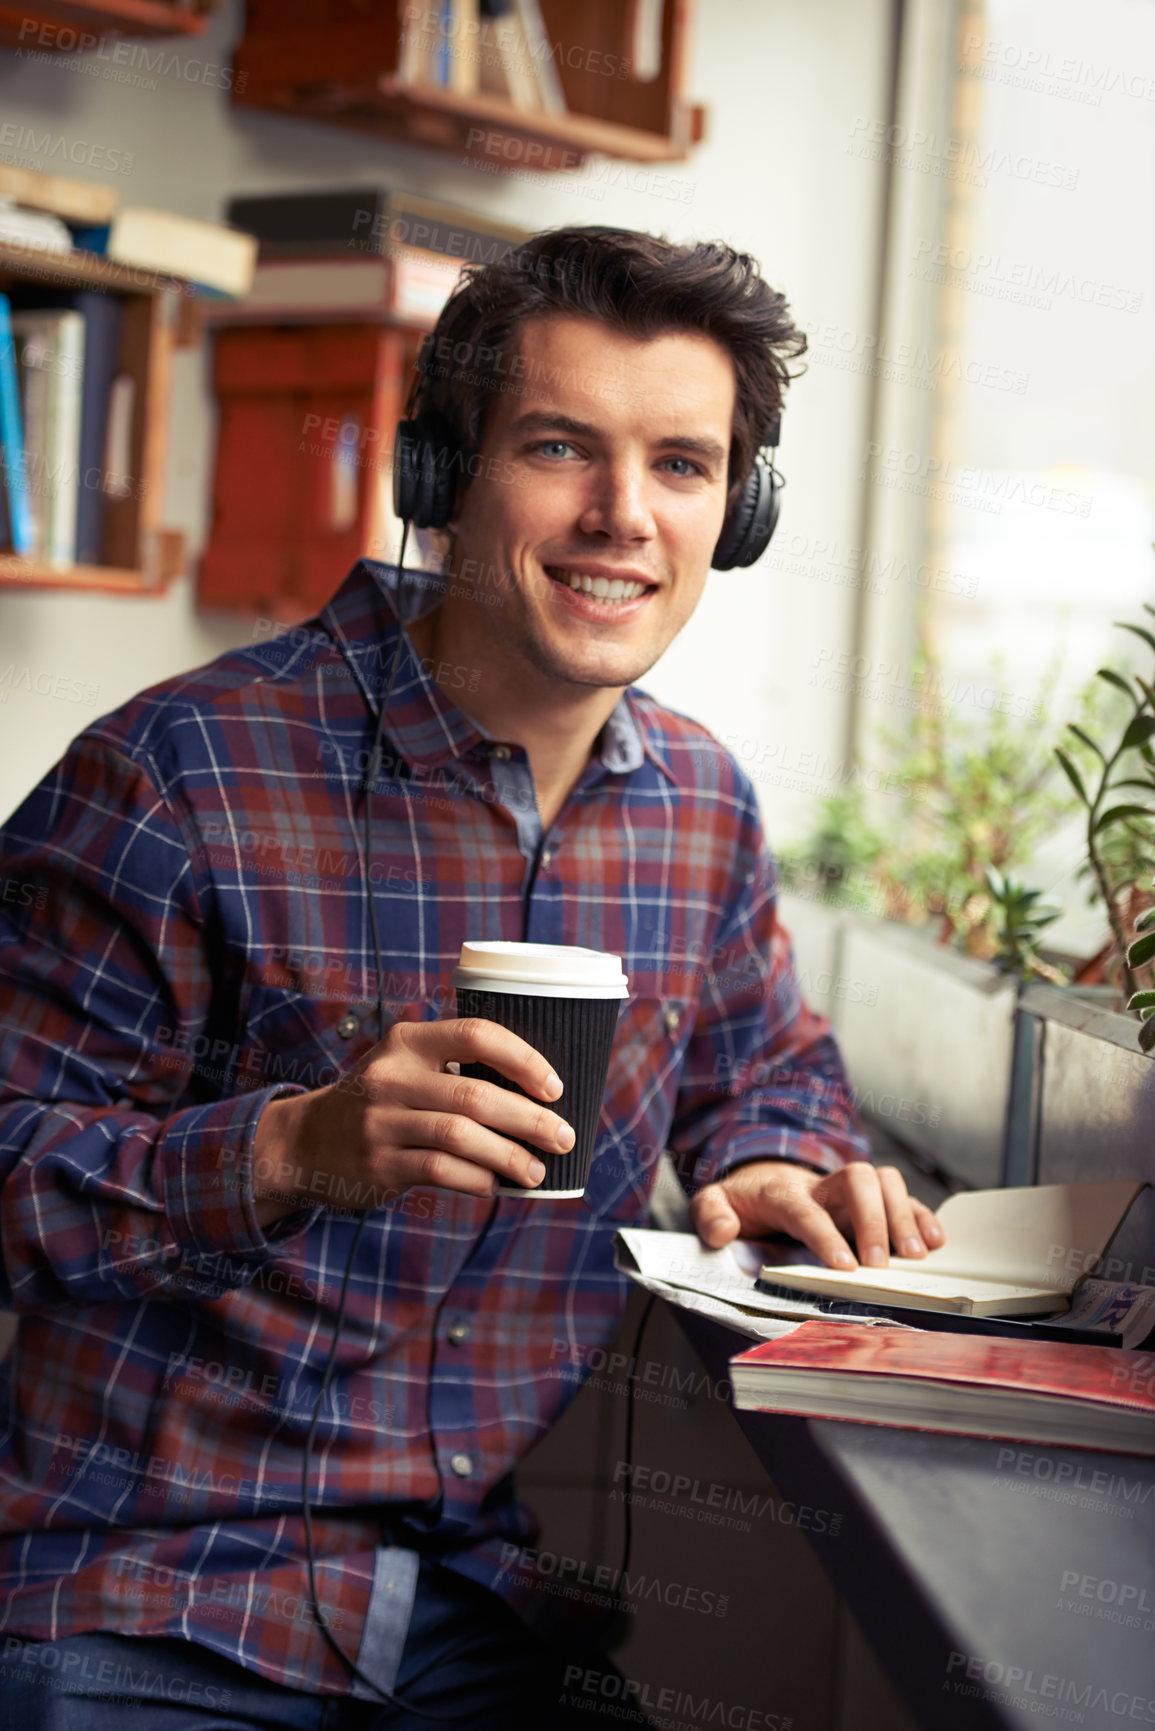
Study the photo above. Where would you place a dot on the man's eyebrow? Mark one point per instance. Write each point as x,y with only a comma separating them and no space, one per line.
542,421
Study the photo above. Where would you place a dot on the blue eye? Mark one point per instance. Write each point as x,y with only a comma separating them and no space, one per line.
688,469
553,445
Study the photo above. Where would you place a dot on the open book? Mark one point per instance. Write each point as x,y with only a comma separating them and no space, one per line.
1014,1252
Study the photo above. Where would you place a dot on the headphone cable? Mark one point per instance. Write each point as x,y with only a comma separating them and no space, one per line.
371,773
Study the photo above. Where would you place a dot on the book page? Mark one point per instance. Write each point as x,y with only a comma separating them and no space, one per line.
959,1292
1044,1235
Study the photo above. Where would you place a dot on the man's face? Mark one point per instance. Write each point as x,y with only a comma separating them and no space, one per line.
605,465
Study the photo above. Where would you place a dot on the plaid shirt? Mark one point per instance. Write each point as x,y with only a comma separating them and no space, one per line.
184,936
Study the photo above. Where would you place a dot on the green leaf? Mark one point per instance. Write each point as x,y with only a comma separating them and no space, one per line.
1141,951
1072,774
1148,785
1147,1036
1118,812
1141,1001
1137,631
1114,678
1146,920
1139,731
1087,740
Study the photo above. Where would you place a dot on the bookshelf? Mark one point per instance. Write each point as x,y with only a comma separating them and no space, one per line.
56,25
339,61
139,555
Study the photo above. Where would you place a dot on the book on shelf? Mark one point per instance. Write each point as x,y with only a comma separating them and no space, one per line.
410,286
214,259
474,45
19,530
1032,1391
32,231
76,201
539,52
1011,1252
102,315
50,360
367,219
465,53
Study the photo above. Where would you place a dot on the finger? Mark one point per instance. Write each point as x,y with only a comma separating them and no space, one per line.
928,1225
902,1223
713,1217
864,1204
449,1133
433,1168
805,1218
473,1040
499,1109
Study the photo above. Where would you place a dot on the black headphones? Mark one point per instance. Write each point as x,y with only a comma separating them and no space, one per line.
427,467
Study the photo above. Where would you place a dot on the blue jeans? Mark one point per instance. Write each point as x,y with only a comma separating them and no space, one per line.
468,1660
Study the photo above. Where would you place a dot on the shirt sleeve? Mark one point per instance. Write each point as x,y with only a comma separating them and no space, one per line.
108,1190
763,1078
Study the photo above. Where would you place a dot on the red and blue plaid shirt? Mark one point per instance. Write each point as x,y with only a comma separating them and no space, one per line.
184,935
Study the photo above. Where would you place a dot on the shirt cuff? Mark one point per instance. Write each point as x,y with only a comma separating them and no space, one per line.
792,1147
205,1164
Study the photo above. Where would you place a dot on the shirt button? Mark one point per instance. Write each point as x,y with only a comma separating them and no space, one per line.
347,1027
672,1020
502,753
546,858
459,1333
462,1465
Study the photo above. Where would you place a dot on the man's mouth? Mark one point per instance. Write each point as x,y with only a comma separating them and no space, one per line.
611,590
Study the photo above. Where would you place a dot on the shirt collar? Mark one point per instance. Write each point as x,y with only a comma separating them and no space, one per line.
427,728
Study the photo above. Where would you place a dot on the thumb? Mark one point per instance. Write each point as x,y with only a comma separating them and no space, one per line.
713,1217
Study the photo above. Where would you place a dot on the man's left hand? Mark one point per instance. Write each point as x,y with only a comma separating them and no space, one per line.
775,1196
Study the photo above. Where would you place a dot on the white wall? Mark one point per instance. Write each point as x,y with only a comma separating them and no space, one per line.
783,80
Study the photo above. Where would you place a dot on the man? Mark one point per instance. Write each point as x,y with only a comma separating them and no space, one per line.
219,1170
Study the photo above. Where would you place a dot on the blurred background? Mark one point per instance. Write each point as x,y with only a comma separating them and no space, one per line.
954,195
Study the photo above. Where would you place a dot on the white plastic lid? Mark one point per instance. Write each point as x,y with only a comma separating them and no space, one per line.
541,970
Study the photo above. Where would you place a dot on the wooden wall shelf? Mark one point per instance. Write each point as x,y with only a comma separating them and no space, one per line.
140,556
59,22
337,61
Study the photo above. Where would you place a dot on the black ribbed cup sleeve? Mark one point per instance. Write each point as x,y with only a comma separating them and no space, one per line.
576,1036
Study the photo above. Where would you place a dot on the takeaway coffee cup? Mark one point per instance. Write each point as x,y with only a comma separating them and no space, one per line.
564,1002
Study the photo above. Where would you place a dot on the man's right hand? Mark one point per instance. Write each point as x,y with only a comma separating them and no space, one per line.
400,1119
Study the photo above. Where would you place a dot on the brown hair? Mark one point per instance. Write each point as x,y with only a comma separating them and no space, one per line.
635,283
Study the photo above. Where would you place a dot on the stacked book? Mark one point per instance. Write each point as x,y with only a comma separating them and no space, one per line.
66,403
358,254
495,47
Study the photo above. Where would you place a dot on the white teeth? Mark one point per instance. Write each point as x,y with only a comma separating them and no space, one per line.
604,588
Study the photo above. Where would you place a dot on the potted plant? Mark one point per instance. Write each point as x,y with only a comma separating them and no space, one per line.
940,1032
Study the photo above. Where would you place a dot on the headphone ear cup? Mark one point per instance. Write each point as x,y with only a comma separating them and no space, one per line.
424,486
749,525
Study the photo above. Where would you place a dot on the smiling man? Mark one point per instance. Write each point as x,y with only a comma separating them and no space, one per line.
250,1226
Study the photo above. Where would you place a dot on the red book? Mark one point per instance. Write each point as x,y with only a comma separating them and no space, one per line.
979,1385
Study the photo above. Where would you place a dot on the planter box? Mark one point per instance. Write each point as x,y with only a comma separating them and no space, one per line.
1091,1089
927,1034
1046,1089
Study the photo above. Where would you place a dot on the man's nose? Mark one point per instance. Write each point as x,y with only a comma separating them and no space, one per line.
618,505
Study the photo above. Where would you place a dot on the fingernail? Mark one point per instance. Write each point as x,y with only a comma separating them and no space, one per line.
553,1085
912,1247
536,1171
844,1260
565,1137
875,1256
